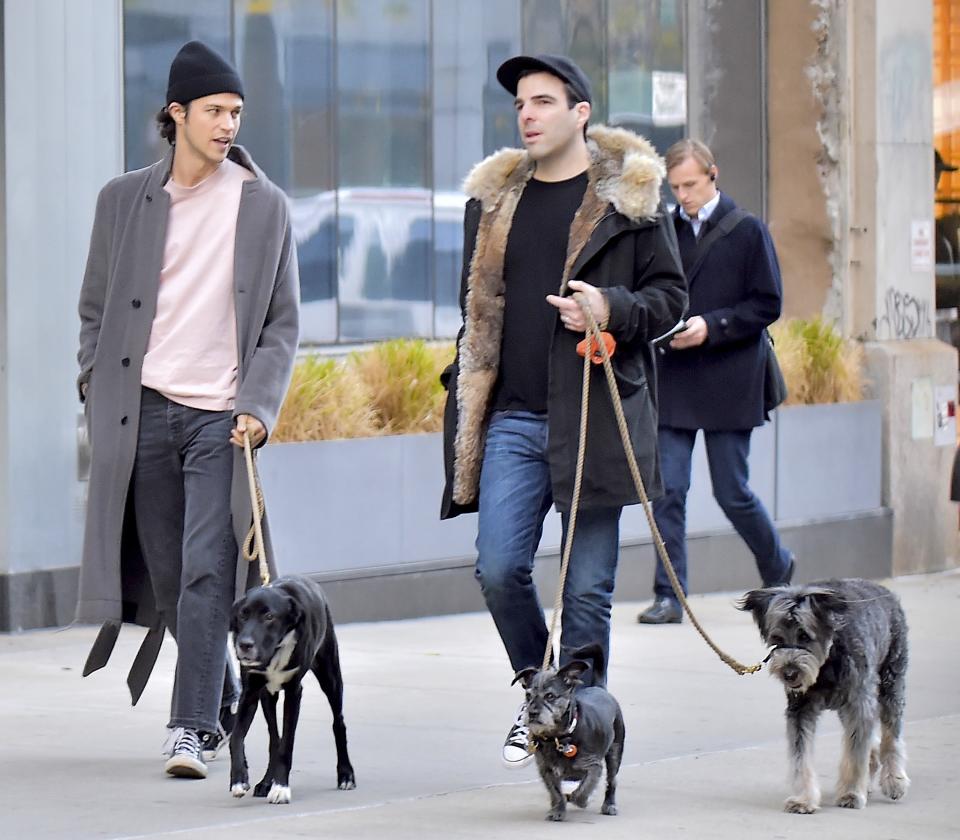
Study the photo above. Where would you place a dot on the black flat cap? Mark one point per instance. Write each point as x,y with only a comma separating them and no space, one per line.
556,65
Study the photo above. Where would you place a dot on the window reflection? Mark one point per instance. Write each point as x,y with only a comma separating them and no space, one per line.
472,118
153,32
648,92
285,56
576,28
370,113
383,80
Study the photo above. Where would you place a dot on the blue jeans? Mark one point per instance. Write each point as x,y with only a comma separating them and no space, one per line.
515,496
181,494
727,454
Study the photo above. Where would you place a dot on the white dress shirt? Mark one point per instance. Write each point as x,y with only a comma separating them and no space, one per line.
703,214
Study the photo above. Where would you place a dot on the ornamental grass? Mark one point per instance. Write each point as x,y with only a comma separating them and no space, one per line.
326,400
818,364
402,378
391,389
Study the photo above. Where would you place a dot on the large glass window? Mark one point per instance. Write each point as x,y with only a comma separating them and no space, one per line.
285,54
153,32
384,201
472,117
370,113
647,84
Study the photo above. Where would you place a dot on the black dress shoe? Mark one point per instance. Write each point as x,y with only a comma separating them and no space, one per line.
662,611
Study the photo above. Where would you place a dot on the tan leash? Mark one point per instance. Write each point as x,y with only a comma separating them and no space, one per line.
253,548
594,331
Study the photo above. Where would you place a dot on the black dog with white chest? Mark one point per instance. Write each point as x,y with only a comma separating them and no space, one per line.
281,631
575,730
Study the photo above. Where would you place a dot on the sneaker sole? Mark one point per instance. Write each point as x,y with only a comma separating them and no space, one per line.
516,765
183,767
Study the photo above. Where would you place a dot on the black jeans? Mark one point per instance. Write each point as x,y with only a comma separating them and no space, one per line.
181,490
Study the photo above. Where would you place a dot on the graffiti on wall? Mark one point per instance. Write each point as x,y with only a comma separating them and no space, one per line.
904,316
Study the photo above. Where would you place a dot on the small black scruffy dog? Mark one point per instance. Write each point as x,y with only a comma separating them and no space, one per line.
842,645
574,730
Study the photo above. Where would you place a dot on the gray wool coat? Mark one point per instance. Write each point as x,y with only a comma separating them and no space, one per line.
117,306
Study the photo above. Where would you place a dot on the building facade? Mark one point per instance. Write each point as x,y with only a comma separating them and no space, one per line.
369,113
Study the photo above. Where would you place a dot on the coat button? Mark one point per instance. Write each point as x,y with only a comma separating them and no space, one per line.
123,420
125,362
135,303
723,322
149,197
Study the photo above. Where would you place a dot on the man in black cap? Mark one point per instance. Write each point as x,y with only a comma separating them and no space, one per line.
189,322
574,211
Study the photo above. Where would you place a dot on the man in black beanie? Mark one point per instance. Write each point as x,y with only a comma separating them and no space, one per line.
189,326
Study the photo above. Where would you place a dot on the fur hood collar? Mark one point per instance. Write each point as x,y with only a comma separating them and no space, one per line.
626,170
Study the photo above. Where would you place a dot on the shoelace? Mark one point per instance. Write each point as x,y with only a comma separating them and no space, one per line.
188,742
519,732
173,735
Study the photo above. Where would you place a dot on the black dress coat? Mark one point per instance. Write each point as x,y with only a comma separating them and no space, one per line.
737,290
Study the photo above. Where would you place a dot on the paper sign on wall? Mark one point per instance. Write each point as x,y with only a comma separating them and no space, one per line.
945,416
921,245
669,105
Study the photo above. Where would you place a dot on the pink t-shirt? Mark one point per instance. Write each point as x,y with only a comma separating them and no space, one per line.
191,357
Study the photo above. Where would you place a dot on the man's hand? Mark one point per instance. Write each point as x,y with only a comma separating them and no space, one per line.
572,315
693,336
248,423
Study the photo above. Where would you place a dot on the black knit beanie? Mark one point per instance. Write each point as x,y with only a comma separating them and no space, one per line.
198,71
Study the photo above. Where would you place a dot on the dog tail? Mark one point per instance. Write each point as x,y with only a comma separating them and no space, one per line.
593,653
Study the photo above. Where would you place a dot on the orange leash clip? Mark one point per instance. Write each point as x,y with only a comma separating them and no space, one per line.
596,356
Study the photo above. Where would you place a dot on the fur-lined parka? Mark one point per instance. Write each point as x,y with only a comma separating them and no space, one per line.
621,241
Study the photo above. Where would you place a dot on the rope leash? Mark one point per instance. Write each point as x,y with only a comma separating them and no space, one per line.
574,508
253,543
597,341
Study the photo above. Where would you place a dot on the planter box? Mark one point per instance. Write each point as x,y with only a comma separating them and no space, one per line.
355,508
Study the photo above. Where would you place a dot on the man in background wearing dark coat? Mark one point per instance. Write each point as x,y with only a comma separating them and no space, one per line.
711,374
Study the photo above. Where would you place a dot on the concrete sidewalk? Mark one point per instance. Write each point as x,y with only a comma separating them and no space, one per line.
428,703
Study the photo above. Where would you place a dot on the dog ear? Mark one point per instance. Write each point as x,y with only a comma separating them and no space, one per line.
294,611
572,671
828,605
524,677
757,601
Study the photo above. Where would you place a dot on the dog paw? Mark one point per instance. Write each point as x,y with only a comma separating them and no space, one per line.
894,786
798,805
346,781
239,789
579,799
609,809
263,787
851,799
556,815
279,795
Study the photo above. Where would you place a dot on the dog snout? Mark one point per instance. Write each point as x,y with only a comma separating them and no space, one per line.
245,647
791,674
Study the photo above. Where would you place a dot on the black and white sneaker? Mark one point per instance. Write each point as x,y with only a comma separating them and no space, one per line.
212,742
185,761
515,751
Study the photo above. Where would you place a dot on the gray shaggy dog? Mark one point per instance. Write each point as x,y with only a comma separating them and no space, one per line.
840,645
